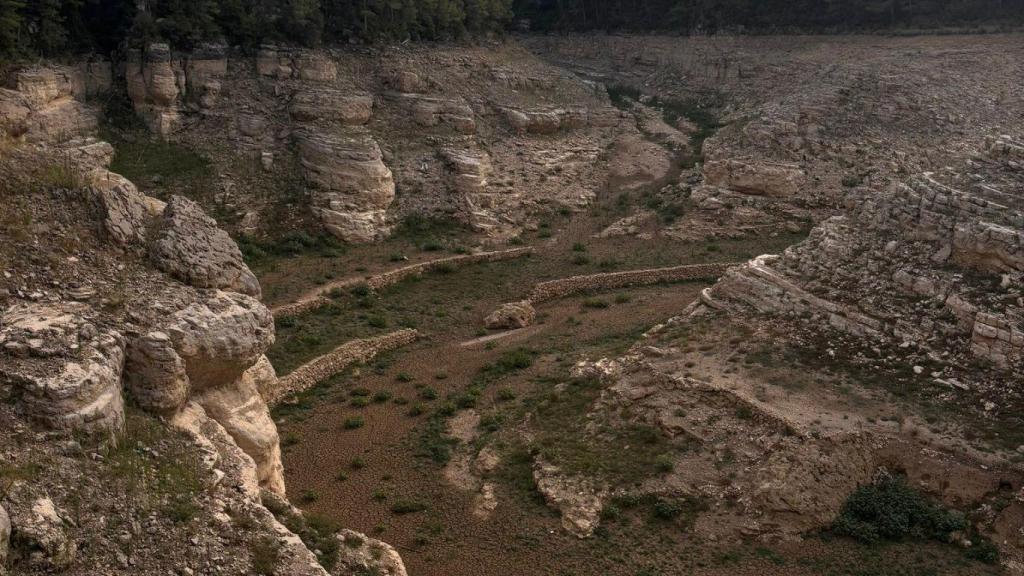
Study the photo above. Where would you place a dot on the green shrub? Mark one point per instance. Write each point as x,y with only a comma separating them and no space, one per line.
890,510
579,247
266,554
668,509
596,303
353,422
404,377
382,396
357,463
407,506
664,464
428,393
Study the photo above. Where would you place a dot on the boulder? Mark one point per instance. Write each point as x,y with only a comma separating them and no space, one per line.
122,207
760,178
220,337
578,499
359,554
191,247
511,315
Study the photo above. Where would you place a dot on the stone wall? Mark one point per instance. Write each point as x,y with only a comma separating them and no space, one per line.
349,353
395,276
560,288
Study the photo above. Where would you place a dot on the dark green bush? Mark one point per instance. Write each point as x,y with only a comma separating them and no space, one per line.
888,509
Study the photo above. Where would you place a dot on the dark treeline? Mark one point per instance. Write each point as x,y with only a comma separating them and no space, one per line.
31,28
710,16
54,27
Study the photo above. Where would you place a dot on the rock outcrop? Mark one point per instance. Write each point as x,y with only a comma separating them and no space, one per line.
755,177
352,186
46,103
40,535
190,246
68,371
511,315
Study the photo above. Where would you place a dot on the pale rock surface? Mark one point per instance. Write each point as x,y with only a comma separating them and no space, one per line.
122,207
362,555
42,106
73,380
5,538
511,315
637,162
578,499
352,186
332,105
40,534
155,375
240,409
755,177
221,451
220,337
190,246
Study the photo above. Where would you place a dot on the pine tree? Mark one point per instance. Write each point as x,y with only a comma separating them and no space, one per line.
46,21
10,27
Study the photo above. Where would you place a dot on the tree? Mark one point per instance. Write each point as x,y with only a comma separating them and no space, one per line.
46,22
10,27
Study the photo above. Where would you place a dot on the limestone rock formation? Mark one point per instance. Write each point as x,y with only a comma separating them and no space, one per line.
579,499
352,186
122,207
637,162
5,538
190,246
240,409
68,371
220,337
43,106
332,106
39,535
511,315
155,375
155,87
362,555
432,111
545,121
754,177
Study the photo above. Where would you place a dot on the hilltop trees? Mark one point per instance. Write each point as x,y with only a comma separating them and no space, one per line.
53,27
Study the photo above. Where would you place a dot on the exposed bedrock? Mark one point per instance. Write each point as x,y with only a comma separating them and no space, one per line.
755,177
330,105
162,85
190,246
352,186
68,371
46,103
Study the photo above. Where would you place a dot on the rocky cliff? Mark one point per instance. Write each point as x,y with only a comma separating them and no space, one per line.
377,135
132,343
